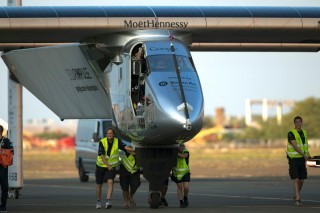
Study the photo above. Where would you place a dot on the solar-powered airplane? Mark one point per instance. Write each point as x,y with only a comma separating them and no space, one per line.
133,64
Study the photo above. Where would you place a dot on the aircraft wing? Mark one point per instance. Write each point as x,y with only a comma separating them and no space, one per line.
64,78
60,71
202,28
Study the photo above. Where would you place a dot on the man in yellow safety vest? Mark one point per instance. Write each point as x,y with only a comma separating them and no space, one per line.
181,175
107,161
129,178
298,154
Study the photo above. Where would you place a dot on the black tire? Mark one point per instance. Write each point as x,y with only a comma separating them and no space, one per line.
82,173
155,200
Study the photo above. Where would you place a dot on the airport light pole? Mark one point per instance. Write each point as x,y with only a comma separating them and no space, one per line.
15,126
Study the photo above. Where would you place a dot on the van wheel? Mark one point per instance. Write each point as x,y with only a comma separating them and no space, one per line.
82,174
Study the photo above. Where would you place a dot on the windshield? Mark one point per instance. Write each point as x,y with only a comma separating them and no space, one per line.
106,124
159,63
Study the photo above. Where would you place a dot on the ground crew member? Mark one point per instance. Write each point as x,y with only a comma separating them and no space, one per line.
6,160
129,178
163,201
107,161
298,154
181,175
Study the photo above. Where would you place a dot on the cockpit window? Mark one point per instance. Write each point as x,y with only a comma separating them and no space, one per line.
184,64
165,63
159,63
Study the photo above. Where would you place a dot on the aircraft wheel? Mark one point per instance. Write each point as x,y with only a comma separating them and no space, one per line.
155,200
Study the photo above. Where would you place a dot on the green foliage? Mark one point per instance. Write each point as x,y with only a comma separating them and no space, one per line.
308,109
208,122
250,133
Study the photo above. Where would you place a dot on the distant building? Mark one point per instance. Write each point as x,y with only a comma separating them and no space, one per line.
220,117
265,105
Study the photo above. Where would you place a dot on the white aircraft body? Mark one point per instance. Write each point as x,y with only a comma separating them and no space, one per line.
133,64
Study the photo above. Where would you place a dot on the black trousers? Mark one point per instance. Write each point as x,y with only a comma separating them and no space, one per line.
4,185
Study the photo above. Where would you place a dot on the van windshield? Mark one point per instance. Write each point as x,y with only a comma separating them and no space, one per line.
165,63
106,125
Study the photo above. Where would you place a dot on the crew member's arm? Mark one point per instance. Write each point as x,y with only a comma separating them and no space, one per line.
130,150
295,147
102,153
124,147
106,162
183,155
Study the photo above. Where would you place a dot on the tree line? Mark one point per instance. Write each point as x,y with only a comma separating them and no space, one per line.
308,109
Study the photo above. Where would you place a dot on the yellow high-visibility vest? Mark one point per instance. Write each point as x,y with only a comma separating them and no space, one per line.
182,167
130,163
113,159
292,153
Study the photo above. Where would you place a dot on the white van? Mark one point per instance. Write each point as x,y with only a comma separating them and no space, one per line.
89,133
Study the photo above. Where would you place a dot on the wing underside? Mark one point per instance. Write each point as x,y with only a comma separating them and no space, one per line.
64,79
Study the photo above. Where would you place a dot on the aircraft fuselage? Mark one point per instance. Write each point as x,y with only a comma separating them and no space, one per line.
147,98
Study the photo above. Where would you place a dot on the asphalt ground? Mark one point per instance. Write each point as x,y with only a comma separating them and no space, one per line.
265,194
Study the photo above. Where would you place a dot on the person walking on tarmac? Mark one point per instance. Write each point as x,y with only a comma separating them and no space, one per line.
297,154
107,161
5,161
129,178
181,175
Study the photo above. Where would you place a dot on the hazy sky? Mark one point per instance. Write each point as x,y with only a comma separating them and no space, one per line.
227,79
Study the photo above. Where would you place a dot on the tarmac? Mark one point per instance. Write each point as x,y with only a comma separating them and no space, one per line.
267,194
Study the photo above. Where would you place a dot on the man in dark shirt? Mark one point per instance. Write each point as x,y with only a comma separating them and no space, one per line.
298,154
5,144
107,161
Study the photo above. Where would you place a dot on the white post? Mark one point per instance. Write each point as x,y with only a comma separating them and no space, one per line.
15,125
265,109
248,112
279,113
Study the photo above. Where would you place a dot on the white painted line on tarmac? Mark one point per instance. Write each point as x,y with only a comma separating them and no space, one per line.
193,194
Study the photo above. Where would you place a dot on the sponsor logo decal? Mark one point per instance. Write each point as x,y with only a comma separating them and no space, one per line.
78,73
155,24
163,83
167,49
87,88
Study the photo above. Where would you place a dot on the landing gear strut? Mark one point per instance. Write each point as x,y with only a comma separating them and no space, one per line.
156,163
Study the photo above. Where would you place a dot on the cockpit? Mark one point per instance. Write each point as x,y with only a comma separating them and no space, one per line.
165,63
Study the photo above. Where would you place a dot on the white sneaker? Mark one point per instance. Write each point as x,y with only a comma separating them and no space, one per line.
98,206
108,205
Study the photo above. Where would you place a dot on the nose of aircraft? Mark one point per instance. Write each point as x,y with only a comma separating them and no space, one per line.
171,110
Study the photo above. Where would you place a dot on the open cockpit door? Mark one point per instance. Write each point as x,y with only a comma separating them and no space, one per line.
66,78
138,75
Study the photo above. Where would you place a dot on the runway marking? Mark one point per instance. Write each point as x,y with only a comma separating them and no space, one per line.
250,197
193,194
